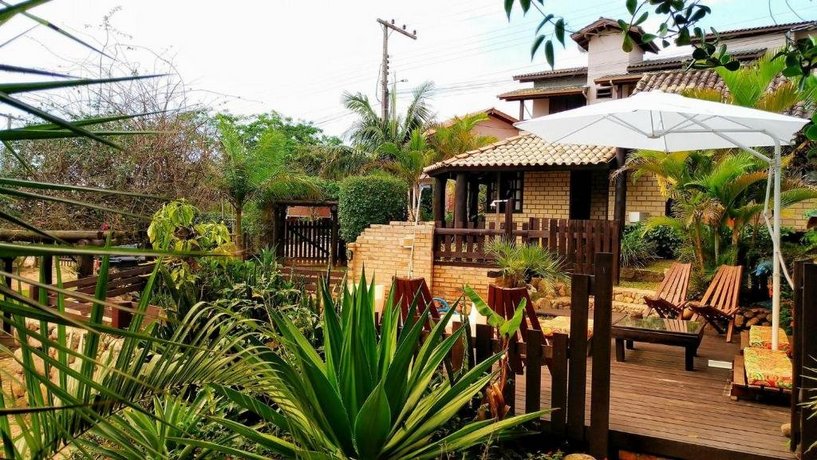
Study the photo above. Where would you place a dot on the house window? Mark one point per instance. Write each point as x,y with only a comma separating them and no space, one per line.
510,185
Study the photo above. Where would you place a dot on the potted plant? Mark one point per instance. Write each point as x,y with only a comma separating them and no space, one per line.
519,264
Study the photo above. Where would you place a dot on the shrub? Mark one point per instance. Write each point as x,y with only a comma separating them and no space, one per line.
367,200
666,239
636,249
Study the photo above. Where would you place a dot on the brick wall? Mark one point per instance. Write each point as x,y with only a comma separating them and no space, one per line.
643,195
795,216
546,194
385,251
448,281
599,195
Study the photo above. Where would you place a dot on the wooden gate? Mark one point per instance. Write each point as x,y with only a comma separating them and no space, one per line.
311,241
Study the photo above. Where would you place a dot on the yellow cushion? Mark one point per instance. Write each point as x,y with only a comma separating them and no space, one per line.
561,325
767,368
761,336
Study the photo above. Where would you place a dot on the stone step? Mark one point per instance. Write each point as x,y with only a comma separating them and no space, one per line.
630,308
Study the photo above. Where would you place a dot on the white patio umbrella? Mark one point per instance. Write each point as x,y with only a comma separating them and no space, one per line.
669,122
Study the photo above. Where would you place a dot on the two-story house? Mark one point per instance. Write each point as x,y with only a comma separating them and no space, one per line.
572,182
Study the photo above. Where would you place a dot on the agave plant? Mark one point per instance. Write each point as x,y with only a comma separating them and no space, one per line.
373,395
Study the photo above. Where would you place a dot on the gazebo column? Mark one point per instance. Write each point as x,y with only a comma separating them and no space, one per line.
620,203
460,200
473,200
438,198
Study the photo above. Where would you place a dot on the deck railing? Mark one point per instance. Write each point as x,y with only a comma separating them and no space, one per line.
575,241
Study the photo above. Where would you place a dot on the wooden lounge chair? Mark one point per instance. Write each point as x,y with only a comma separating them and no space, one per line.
719,304
670,298
406,290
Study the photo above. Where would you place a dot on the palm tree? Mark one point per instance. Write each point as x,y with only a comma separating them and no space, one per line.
407,162
246,173
457,136
371,131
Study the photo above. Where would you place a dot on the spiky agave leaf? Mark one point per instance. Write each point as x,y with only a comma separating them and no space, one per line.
372,395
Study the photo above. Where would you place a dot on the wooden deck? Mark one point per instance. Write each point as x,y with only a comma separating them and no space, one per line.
658,408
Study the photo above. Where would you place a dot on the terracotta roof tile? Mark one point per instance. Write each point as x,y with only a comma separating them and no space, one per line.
677,81
526,150
545,74
543,91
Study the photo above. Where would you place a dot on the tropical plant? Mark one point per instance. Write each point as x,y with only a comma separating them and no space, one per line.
407,162
636,249
174,228
458,136
261,169
79,375
370,396
371,131
519,263
506,328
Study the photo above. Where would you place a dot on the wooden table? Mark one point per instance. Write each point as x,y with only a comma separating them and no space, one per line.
676,332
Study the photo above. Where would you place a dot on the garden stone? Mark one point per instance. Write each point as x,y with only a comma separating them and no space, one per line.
786,429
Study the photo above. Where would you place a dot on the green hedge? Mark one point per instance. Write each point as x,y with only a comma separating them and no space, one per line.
366,200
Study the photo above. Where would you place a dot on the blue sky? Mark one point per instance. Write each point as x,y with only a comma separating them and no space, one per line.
299,57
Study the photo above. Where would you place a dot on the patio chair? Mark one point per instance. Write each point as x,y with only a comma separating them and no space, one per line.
670,298
405,292
719,305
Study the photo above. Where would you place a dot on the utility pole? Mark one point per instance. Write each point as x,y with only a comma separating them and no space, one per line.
384,80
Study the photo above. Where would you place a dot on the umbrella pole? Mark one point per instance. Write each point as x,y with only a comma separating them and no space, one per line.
776,256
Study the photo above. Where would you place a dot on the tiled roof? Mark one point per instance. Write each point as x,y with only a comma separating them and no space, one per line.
582,36
525,150
546,74
759,30
677,81
529,93
675,62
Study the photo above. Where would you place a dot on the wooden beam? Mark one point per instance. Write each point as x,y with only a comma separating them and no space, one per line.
473,200
460,198
808,348
797,358
620,202
600,385
577,366
68,235
438,198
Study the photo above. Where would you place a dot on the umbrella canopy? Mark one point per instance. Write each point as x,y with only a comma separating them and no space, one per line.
665,122
669,122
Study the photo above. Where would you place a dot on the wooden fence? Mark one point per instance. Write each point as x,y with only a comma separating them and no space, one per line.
575,241
311,241
119,283
565,360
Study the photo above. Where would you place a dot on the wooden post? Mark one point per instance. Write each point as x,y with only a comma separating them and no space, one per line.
797,359
279,213
438,198
483,342
333,237
510,385
460,198
620,201
576,389
473,200
533,370
509,220
808,348
558,389
600,386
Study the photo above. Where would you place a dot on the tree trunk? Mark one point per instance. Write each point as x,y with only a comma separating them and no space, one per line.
239,236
